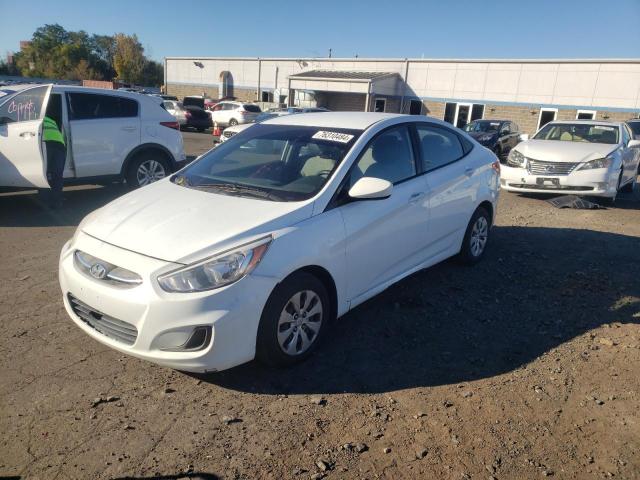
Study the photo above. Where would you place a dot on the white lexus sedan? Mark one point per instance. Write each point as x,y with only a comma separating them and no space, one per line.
582,157
255,247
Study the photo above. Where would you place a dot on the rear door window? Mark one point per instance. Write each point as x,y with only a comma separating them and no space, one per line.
91,106
252,108
438,146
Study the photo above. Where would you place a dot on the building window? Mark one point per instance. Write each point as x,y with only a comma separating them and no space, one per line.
226,84
546,115
586,115
415,107
380,105
266,97
450,112
477,112
459,114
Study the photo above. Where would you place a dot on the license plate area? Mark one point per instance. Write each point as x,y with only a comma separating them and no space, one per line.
547,182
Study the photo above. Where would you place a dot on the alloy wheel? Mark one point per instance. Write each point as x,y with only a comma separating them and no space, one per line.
300,322
150,171
479,234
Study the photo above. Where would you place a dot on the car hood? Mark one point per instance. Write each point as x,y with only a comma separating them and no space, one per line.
558,151
477,135
182,225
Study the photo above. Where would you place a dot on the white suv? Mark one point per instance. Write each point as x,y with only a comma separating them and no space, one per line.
228,114
109,135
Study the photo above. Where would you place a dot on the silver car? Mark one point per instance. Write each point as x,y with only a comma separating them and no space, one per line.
177,110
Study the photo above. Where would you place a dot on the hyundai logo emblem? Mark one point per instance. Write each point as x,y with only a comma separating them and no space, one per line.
98,271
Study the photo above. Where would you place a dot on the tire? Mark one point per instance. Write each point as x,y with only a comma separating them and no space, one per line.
476,238
146,168
629,187
276,335
233,122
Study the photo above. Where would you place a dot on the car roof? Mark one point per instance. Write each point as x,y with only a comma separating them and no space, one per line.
350,120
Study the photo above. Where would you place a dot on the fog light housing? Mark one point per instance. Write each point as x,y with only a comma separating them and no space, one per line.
198,339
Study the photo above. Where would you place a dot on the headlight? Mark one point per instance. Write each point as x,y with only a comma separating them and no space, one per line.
217,271
515,159
598,163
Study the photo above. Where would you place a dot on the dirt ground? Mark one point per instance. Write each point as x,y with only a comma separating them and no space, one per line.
524,366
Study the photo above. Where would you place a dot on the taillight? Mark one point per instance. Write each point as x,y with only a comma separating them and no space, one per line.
496,166
174,125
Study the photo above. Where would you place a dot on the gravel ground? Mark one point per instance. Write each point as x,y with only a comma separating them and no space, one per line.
524,366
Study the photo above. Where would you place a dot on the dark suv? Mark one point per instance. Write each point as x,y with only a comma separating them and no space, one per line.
499,136
634,125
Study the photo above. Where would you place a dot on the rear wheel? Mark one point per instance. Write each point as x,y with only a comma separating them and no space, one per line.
146,168
293,320
476,237
233,122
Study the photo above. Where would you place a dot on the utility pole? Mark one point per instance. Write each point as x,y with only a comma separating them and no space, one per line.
330,52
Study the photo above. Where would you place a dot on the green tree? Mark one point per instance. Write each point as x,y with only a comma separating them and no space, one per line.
128,58
57,53
152,74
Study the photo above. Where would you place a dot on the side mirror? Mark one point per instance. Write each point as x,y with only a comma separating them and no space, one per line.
370,188
631,144
523,137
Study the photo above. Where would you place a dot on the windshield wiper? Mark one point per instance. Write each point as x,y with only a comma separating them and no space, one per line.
235,188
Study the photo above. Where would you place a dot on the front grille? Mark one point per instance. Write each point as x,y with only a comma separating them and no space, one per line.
228,134
539,167
549,187
108,326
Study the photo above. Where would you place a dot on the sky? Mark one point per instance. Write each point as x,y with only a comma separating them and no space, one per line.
374,28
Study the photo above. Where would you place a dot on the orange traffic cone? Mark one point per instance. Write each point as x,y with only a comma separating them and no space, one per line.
216,130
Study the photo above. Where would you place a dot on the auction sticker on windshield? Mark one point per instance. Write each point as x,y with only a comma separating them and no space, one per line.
333,136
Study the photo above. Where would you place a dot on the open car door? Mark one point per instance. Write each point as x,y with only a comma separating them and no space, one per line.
22,155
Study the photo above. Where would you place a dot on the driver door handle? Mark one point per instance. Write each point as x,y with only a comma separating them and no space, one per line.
415,197
28,134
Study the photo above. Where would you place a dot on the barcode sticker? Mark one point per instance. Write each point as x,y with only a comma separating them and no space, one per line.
333,136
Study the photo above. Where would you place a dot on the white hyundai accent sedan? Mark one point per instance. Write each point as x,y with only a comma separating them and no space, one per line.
586,157
255,247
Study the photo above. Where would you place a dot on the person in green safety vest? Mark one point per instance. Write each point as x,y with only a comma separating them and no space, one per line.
56,157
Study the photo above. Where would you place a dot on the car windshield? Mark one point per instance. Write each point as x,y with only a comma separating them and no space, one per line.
271,162
482,126
579,132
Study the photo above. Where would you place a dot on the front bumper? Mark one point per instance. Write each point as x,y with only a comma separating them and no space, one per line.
232,312
596,183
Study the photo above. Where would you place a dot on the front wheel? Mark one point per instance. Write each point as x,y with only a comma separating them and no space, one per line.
146,168
629,187
476,237
293,320
233,122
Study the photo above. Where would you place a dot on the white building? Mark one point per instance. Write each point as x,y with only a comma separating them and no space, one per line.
529,92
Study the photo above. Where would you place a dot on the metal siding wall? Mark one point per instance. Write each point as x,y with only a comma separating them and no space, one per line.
612,85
